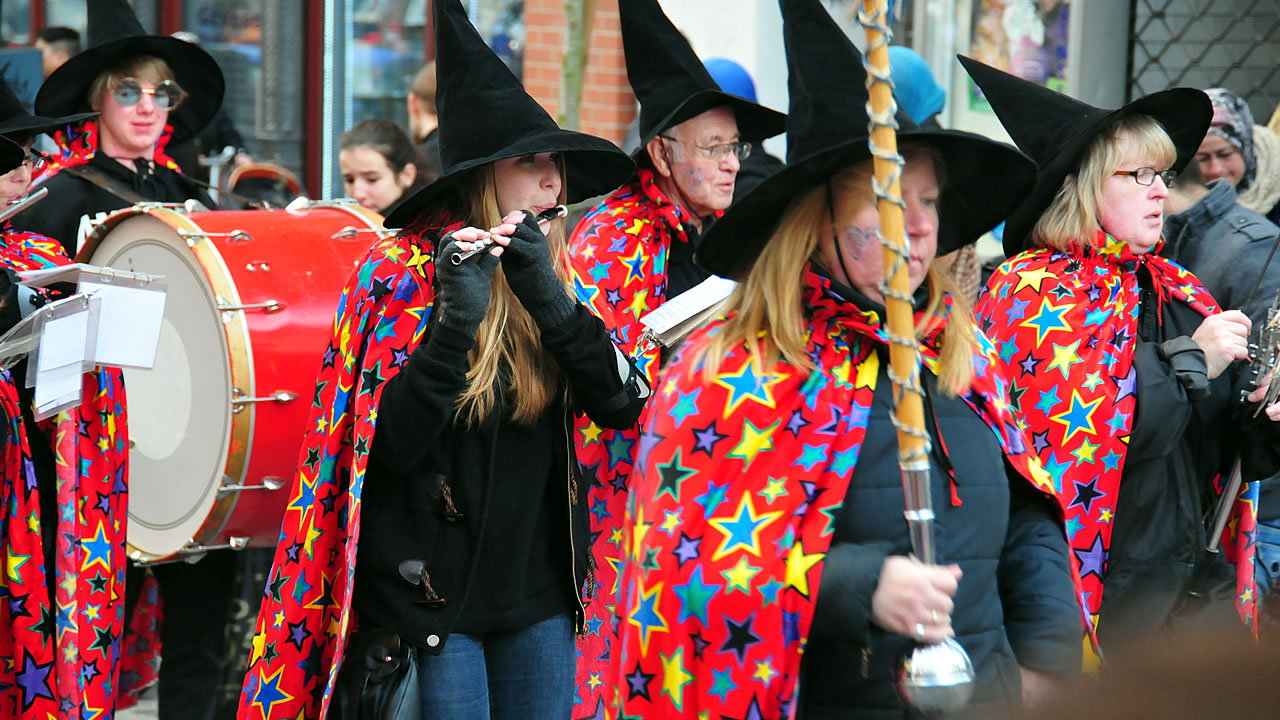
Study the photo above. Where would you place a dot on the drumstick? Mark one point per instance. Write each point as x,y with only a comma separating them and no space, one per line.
480,246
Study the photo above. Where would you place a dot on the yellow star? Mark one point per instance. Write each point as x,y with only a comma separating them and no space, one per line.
91,612
615,536
639,302
594,681
740,575
1039,475
1032,279
637,538
776,487
33,523
393,252
669,386
637,226
591,434
764,671
753,441
1105,515
674,677
1092,380
798,565
1064,356
15,563
672,521
1085,452
868,371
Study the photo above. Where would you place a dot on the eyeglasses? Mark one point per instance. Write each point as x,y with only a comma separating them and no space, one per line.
35,161
720,152
1146,175
166,96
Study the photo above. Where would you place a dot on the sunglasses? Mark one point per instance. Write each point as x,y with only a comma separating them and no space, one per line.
166,96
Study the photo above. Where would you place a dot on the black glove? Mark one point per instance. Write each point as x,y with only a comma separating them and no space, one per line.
462,291
531,273
10,313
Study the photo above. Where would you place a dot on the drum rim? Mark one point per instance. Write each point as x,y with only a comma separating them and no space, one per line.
240,354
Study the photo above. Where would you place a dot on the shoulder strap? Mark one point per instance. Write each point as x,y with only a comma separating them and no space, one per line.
102,180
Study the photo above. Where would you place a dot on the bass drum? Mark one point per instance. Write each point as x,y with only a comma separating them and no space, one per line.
216,426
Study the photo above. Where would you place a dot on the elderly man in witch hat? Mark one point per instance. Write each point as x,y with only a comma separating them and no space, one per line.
634,250
150,91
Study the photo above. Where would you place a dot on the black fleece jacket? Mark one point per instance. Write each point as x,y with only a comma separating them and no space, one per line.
496,512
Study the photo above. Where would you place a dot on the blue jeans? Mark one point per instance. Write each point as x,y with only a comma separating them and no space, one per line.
525,673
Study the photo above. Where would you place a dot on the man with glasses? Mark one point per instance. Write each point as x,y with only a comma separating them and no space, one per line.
635,250
148,91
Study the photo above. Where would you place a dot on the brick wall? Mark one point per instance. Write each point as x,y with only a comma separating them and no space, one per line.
608,105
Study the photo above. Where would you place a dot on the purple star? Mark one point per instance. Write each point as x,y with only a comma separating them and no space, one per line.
648,440
34,681
1040,441
687,548
298,634
1093,559
614,297
706,438
400,356
699,643
796,423
1128,385
1028,365
638,684
29,470
1095,293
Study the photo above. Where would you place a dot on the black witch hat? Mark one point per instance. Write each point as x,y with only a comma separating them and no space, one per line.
485,116
827,130
115,34
1055,130
17,122
11,154
672,84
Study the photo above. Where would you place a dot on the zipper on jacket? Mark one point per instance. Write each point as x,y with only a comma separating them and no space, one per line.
580,614
866,662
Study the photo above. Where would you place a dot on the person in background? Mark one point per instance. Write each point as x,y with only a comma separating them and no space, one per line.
57,44
424,120
1124,367
379,164
1227,245
211,141
634,251
1247,155
735,80
914,87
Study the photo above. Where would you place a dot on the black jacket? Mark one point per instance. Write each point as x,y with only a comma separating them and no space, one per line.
1015,604
70,197
497,512
1186,430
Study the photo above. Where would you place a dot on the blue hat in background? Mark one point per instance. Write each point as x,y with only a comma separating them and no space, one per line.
913,85
731,77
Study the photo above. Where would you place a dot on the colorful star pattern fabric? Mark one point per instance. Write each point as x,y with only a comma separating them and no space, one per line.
618,255
306,608
77,144
715,610
1066,325
61,654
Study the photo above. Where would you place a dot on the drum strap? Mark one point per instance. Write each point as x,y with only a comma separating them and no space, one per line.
102,180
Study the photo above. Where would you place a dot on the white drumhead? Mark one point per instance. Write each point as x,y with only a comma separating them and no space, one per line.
179,411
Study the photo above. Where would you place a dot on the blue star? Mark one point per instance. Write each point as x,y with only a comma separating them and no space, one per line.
619,447
1073,526
600,509
813,454
1007,350
1056,470
1048,400
711,499
745,384
695,597
1112,460
722,684
584,293
97,549
686,405
1119,422
269,693
1078,418
599,272
1047,319
769,591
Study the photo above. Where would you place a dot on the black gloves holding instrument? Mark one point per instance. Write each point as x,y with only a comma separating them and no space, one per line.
463,295
530,270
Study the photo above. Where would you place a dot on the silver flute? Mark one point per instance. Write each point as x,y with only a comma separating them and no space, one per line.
23,203
479,246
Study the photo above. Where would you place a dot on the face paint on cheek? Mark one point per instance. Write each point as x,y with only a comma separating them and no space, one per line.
696,176
858,239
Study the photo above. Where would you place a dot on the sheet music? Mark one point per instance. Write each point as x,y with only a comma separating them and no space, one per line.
129,324
689,303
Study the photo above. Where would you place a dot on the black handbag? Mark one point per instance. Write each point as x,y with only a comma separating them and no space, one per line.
378,679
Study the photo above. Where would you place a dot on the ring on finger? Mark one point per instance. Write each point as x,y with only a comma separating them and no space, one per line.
919,632
933,615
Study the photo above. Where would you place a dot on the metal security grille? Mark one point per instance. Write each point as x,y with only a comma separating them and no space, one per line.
1234,44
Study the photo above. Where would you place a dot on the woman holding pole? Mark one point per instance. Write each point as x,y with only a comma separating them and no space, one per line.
767,517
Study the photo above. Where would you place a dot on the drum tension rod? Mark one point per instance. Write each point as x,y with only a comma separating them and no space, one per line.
270,482
234,237
267,306
239,399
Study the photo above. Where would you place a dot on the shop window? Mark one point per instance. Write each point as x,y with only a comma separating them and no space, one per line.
231,32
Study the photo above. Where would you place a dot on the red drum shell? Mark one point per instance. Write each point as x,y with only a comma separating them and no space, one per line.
219,421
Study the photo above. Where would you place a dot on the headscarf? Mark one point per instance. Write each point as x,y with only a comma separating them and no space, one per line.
1233,122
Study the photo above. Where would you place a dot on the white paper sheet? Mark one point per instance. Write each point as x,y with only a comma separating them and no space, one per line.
63,341
128,326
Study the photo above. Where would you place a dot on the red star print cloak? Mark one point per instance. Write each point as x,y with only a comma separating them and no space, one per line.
306,610
727,528
1046,311
61,654
618,255
77,144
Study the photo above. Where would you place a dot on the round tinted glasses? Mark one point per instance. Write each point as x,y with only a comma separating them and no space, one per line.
166,96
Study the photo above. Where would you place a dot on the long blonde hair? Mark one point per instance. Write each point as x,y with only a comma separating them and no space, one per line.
770,315
508,345
1071,219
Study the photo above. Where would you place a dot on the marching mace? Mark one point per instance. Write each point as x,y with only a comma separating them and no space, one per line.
933,678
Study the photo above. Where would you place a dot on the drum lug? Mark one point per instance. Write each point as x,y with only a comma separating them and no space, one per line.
270,482
352,233
235,237
269,306
191,553
239,399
